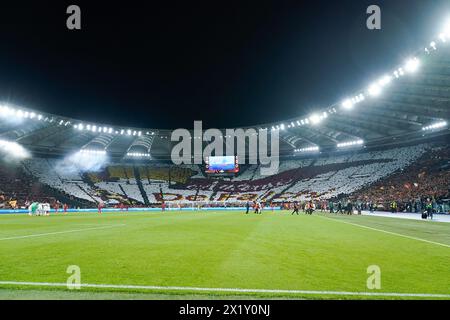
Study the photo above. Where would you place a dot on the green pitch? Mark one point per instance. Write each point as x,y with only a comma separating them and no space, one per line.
208,254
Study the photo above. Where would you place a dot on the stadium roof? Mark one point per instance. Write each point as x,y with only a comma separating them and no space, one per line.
404,104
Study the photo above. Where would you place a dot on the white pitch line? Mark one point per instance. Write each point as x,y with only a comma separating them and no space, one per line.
235,290
60,232
388,232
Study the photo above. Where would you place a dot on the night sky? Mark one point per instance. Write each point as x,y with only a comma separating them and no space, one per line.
228,63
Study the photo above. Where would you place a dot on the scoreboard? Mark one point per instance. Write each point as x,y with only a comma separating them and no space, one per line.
222,165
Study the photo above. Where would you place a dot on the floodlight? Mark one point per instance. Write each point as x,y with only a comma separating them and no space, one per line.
13,149
446,30
308,149
412,65
385,80
437,125
350,143
315,119
374,90
347,104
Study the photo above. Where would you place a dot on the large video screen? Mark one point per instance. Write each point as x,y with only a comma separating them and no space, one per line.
222,164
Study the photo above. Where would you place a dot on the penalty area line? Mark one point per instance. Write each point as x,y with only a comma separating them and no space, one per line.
231,290
388,232
60,232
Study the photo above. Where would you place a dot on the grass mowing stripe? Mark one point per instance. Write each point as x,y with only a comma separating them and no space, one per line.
60,232
232,290
388,232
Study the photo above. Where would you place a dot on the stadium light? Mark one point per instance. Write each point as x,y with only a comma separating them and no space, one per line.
374,90
412,65
11,148
350,143
315,119
446,29
347,104
309,149
385,80
92,152
438,125
138,155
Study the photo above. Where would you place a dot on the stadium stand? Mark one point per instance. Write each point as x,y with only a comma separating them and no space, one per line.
427,178
362,175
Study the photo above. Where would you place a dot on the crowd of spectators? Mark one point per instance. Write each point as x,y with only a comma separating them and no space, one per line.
427,179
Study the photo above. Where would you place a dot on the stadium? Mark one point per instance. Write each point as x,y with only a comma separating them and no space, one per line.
107,201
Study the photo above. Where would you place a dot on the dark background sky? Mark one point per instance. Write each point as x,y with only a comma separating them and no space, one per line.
229,63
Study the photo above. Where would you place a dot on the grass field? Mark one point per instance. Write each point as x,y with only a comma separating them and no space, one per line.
223,254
